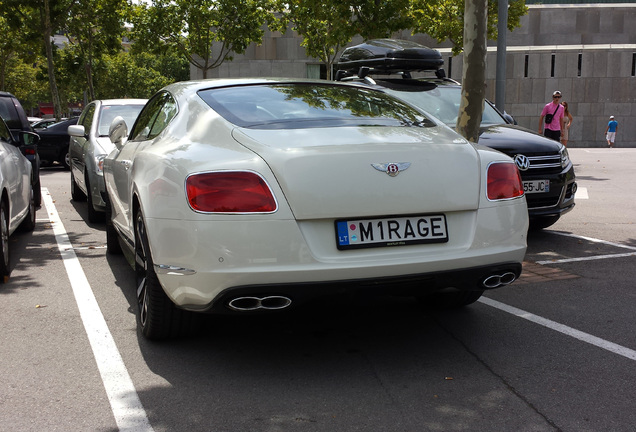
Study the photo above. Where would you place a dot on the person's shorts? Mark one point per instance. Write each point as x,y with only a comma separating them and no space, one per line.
611,136
552,134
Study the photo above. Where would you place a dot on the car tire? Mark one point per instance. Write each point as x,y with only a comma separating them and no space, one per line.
157,315
28,224
76,192
93,215
65,160
112,238
450,300
4,241
37,193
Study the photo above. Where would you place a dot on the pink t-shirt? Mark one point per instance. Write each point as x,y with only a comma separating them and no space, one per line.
556,120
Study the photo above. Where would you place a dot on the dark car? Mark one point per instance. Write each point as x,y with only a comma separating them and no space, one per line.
545,167
54,140
16,119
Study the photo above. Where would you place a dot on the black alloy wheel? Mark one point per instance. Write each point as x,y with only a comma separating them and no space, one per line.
158,317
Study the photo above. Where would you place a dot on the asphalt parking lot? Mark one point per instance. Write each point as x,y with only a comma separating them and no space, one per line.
555,351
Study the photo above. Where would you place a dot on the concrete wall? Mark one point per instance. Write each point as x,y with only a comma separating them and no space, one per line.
602,36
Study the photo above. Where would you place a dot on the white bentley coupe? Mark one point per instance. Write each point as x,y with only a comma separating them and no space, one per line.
255,195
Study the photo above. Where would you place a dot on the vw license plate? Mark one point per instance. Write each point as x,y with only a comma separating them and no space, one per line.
536,186
397,231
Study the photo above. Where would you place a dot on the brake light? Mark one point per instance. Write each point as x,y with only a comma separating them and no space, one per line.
504,181
30,151
229,192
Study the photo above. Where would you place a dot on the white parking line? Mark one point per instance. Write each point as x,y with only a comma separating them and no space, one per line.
569,331
581,193
590,258
122,395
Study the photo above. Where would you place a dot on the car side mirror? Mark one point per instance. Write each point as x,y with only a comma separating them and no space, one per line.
118,132
29,138
509,118
77,131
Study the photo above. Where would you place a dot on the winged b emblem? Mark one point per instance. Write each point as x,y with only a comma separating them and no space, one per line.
391,168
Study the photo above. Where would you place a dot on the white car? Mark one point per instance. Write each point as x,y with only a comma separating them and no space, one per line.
254,195
89,145
17,203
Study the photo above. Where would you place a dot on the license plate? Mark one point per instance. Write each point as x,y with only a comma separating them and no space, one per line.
391,231
536,186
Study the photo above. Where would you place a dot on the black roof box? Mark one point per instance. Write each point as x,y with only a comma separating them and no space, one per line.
390,55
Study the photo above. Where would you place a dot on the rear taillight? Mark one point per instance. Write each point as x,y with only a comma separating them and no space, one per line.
31,151
504,181
229,192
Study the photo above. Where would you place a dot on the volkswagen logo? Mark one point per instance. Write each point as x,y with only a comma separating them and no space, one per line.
523,163
391,168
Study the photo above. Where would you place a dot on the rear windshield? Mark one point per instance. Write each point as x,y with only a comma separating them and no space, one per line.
302,105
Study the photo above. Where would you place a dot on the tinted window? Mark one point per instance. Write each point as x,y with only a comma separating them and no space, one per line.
9,113
5,135
295,106
108,113
86,119
154,118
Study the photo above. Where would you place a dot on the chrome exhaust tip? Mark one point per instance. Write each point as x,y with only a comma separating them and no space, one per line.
499,280
249,303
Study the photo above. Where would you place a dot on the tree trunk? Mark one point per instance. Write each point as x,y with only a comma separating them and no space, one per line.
55,96
474,71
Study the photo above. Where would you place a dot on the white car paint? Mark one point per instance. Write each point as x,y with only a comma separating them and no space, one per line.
317,175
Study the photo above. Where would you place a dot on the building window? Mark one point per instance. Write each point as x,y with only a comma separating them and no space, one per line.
525,66
633,64
450,66
580,64
317,71
552,63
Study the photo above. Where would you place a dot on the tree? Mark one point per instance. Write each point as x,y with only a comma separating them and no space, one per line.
95,27
375,19
325,26
474,72
195,27
43,18
444,19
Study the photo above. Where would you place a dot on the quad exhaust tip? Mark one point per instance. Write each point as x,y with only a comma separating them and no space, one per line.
499,280
249,303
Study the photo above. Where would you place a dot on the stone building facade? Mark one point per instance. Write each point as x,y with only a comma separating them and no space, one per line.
588,52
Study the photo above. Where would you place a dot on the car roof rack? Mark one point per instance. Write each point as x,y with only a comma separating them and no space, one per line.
389,56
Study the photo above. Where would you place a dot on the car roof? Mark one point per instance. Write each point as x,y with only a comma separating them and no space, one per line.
122,101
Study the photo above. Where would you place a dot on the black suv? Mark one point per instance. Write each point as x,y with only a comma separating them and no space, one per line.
14,116
545,167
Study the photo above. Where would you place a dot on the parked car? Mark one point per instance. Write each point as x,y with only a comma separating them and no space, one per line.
17,198
54,142
44,123
16,119
33,120
89,145
546,170
254,195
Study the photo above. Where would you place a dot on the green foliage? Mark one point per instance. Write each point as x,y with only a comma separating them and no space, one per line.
206,32
125,75
375,19
325,26
444,19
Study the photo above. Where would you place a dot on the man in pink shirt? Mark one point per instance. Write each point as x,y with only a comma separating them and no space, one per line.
553,114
